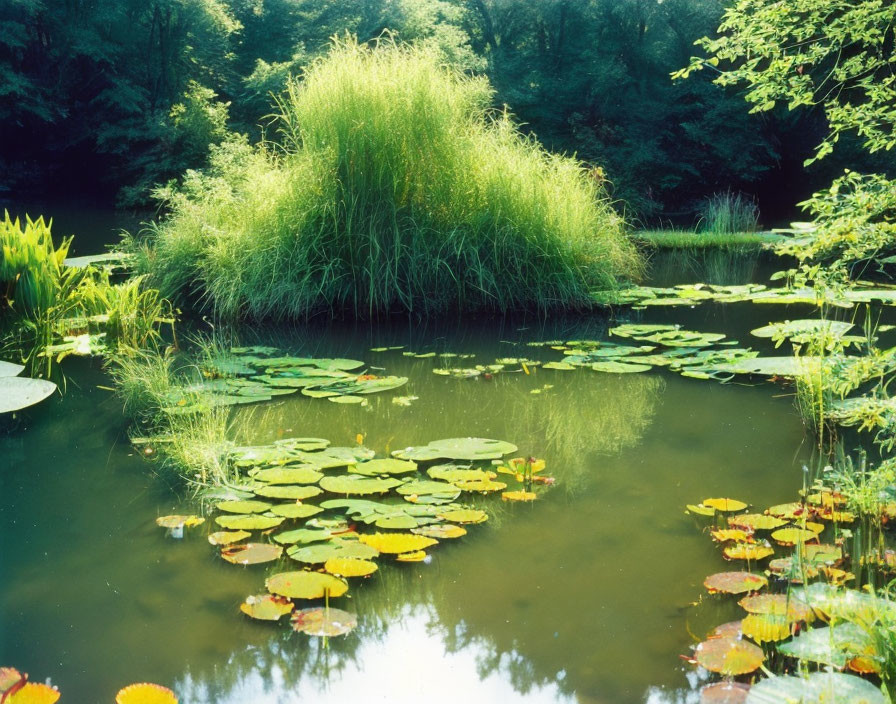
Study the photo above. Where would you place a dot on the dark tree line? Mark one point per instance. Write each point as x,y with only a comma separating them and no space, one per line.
123,94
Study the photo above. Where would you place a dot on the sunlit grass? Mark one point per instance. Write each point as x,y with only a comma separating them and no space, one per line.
393,187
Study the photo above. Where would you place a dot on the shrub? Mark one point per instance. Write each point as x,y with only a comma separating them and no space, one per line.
393,187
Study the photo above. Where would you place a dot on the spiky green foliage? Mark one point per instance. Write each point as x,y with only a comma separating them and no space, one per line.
394,188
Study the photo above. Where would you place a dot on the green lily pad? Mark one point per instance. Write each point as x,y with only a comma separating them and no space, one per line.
249,522
620,367
287,491
766,366
802,329
830,645
306,585
558,366
318,553
348,400
357,485
228,537
419,487
303,444
458,449
361,385
453,473
296,510
243,506
638,331
302,474
18,392
303,536
374,468
816,688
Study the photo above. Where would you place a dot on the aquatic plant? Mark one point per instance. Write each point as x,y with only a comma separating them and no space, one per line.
728,213
393,187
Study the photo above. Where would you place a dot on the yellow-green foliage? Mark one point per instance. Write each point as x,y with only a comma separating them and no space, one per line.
393,187
31,268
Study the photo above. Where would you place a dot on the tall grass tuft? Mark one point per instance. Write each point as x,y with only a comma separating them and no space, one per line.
729,213
393,187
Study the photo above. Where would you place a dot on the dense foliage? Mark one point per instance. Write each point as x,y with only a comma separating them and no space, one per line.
393,187
130,93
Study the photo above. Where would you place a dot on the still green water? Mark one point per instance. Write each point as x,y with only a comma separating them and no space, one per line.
583,596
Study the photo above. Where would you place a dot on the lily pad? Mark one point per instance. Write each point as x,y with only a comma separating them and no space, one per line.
387,466
830,645
816,688
396,543
620,367
724,693
747,551
725,505
303,536
778,605
296,510
458,449
464,515
734,582
284,491
792,535
440,532
729,656
251,553
350,567
178,521
358,485
228,537
267,607
302,474
756,521
803,328
519,496
319,553
306,585
324,621
243,506
767,628
249,522
453,473
145,693
18,392
10,369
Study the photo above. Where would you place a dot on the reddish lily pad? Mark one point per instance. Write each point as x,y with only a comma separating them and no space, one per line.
251,553
729,656
734,582
324,621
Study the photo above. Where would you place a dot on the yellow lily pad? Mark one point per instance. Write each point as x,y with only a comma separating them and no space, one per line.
519,496
701,510
725,505
178,521
729,656
266,607
227,537
416,556
305,585
778,605
34,693
464,515
145,693
251,553
397,543
755,521
764,628
745,551
350,567
724,535
791,536
249,522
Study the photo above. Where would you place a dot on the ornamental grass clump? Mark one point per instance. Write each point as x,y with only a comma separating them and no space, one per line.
392,186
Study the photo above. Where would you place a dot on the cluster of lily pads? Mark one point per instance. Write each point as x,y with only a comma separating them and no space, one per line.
334,510
17,392
252,374
16,688
815,624
640,297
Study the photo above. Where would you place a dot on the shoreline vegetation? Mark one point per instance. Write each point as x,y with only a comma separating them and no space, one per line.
692,239
393,187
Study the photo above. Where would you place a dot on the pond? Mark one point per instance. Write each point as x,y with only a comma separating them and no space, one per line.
582,596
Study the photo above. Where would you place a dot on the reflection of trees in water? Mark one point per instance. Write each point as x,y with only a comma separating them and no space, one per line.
710,265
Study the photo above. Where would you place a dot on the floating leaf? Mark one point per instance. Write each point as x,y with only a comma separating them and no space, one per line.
441,531
803,329
464,515
453,473
266,607
10,369
348,400
373,468
728,656
482,486
226,537
416,556
306,585
725,505
458,449
303,536
791,536
734,582
519,496
765,628
324,621
251,553
620,367
296,510
427,486
18,392
358,485
249,522
285,491
177,521
319,553
396,543
778,605
788,511
745,551
559,366
243,506
350,567
700,510
303,474
831,645
145,693
816,688
755,521
736,534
